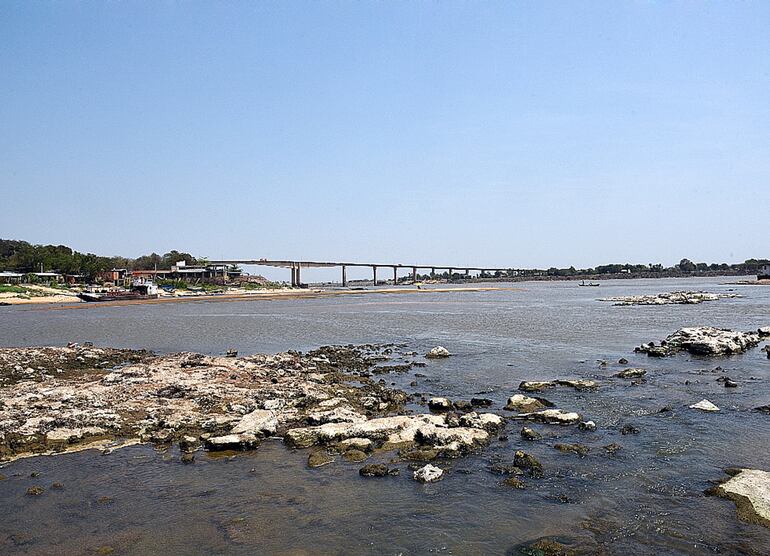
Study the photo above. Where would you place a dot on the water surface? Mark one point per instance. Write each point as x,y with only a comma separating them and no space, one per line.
645,499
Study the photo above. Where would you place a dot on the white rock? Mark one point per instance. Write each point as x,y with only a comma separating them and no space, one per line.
438,351
750,490
551,417
72,435
232,442
704,405
259,421
336,415
485,421
428,474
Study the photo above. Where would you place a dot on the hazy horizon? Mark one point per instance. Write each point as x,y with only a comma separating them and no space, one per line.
496,134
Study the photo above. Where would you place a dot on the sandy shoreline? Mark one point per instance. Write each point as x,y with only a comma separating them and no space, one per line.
67,302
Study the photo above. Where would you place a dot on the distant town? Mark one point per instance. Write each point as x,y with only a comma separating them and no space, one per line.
24,263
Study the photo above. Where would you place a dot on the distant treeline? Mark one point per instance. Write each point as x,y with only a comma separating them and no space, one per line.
21,256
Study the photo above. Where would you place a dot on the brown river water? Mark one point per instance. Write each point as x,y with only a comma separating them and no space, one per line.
645,499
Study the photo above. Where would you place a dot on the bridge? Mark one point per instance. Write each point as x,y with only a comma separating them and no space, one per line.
297,266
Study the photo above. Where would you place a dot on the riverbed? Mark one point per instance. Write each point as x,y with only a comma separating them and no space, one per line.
647,497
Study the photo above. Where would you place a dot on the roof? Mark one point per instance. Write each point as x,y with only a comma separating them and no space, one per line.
6,274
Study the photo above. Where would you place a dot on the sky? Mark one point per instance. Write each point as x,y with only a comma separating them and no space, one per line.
511,134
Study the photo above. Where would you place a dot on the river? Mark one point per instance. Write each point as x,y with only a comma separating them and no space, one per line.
646,498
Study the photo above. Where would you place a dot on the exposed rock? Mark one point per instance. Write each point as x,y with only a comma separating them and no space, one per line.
362,444
439,404
258,422
187,458
578,449
750,490
704,340
377,470
539,386
188,444
526,404
486,421
242,441
481,402
437,352
623,361
613,448
428,474
587,426
764,331
514,482
462,405
528,463
704,405
319,458
551,417
530,434
669,298
354,455
35,490
629,429
631,373
419,454
763,409
336,415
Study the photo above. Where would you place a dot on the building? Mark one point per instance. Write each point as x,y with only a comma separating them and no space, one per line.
11,277
116,276
764,272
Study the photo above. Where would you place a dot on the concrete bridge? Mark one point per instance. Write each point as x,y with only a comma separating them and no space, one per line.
297,266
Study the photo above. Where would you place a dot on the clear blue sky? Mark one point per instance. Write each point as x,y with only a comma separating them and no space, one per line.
514,133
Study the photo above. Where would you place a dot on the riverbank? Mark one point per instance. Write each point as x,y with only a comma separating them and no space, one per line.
265,295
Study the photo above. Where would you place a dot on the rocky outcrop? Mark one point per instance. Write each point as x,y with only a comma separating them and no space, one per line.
551,417
524,404
704,405
704,340
439,404
438,352
630,373
669,298
750,490
428,474
539,386
78,395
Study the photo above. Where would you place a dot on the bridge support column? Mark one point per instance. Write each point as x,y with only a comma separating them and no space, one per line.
374,273
293,276
432,273
467,273
414,274
344,277
395,276
299,275
450,275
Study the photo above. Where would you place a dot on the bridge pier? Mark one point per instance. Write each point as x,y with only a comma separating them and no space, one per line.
344,277
395,275
299,275
450,275
374,273
414,274
432,273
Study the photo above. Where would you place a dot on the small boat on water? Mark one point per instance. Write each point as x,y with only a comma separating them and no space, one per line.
143,289
583,283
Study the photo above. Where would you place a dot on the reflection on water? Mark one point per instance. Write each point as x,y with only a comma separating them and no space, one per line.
645,498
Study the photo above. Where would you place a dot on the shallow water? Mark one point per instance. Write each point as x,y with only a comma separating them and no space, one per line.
645,499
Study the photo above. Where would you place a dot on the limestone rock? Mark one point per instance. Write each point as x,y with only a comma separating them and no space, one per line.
242,441
259,421
438,352
704,405
524,404
428,474
631,373
551,417
750,490
704,340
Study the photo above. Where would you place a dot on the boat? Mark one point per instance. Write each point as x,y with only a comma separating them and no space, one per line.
583,283
140,289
